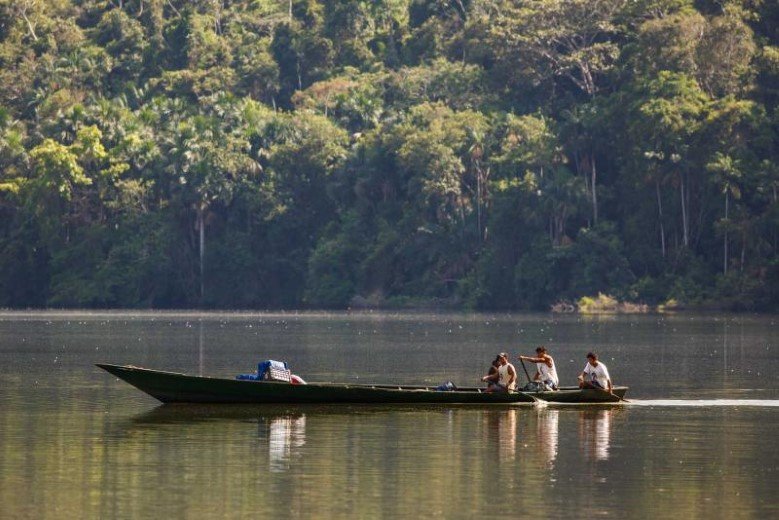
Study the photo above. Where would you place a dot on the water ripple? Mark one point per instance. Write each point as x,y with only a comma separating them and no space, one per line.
759,403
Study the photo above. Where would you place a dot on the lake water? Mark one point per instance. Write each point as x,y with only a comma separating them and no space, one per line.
698,439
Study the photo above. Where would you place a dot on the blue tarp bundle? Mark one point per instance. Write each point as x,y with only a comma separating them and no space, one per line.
446,387
262,368
267,365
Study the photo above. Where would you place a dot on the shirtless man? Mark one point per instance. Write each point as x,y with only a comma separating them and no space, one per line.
595,374
546,372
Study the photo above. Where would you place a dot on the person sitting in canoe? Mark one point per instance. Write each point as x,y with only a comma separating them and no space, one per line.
595,374
492,376
546,372
507,376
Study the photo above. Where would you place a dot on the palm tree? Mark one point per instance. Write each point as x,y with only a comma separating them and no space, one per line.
727,172
476,150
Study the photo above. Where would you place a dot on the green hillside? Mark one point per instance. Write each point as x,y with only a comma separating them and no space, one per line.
331,153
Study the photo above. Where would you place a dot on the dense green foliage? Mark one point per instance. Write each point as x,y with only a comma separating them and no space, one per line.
500,154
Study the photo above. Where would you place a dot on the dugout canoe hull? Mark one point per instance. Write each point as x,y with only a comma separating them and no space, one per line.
171,387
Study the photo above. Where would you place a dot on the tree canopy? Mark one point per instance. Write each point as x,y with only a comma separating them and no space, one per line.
488,154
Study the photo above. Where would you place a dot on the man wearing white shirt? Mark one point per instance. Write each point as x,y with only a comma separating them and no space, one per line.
595,374
546,372
507,376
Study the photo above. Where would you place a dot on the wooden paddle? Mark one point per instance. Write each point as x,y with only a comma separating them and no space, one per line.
612,394
620,398
525,369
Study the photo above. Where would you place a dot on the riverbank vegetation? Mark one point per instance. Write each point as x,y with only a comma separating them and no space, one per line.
324,153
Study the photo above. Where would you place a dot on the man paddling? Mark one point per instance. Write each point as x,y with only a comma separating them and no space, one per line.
546,372
595,375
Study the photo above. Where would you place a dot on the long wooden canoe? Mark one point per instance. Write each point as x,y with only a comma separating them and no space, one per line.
574,394
170,387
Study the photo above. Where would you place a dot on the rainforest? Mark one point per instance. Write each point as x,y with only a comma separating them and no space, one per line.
466,154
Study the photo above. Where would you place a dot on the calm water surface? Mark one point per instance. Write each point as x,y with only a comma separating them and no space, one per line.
697,441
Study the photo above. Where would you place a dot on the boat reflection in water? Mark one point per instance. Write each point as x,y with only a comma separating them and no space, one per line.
539,434
507,436
547,434
285,436
537,431
502,428
283,431
595,433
